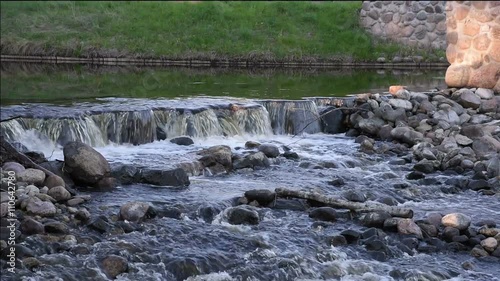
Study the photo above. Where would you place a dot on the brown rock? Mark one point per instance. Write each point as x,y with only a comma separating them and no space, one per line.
495,50
481,16
495,32
471,28
452,37
53,181
479,4
486,76
394,89
114,266
451,53
451,23
461,12
457,76
464,43
481,42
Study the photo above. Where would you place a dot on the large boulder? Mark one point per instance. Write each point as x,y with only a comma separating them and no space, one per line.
332,120
31,176
136,211
84,164
175,177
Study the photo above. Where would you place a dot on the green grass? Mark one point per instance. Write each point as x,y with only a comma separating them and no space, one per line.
224,29
55,84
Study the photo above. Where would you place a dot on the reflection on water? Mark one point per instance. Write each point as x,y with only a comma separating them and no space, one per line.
64,84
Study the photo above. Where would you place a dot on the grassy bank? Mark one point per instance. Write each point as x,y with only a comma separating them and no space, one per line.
300,31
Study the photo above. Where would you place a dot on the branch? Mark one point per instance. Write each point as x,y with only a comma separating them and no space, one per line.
344,204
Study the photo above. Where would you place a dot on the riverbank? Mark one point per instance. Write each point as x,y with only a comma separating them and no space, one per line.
249,32
426,185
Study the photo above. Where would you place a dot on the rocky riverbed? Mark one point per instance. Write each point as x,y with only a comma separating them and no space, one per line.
231,203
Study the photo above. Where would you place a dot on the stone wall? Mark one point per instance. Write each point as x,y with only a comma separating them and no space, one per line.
414,23
473,44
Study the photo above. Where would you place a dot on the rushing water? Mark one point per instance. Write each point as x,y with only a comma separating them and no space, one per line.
201,245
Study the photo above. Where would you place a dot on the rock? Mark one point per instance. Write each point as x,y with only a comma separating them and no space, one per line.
371,126
160,133
350,235
424,166
489,232
354,196
324,214
263,196
31,263
53,181
217,154
13,166
456,220
415,175
483,146
450,232
56,227
31,176
101,224
478,185
243,214
402,94
407,226
290,155
485,93
447,115
84,164
176,177
478,252
30,226
251,144
106,183
406,135
253,160
462,140
135,211
75,201
489,244
375,219
41,208
113,266
337,240
126,174
399,103
59,193
332,120
83,215
469,100
472,131
270,150
429,229
182,141
395,88
31,190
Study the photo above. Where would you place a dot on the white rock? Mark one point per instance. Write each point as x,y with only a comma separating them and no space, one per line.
31,176
456,220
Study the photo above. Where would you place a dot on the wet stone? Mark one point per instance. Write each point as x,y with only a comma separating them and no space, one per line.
337,240
375,219
450,232
324,214
350,235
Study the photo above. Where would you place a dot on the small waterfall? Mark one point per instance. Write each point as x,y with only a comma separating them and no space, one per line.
140,127
293,117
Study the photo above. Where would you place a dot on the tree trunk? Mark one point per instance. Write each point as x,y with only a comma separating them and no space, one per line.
344,204
10,153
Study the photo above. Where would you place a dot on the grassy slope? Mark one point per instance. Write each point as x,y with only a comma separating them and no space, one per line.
259,30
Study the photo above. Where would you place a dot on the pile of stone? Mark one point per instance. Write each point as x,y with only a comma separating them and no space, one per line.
455,129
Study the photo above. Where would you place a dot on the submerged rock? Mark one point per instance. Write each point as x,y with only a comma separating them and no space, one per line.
113,266
242,215
176,177
253,160
182,141
324,214
263,196
270,150
135,211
